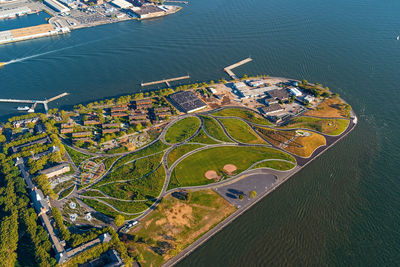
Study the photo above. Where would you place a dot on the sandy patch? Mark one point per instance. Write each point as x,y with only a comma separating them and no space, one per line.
230,168
211,174
180,214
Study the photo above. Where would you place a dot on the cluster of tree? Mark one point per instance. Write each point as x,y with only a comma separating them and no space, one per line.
23,141
39,164
27,116
16,216
65,234
43,184
316,90
35,149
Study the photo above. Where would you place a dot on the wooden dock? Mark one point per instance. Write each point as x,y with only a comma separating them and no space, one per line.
229,68
166,81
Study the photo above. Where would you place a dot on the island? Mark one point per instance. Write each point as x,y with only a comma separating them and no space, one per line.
148,177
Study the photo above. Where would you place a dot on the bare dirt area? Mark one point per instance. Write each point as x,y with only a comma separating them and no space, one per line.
211,174
329,108
230,168
175,224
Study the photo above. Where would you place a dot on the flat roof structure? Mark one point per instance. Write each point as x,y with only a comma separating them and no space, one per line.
148,11
272,108
122,4
187,101
10,13
57,6
280,94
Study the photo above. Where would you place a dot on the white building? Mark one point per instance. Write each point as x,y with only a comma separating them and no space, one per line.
57,6
296,92
256,83
122,4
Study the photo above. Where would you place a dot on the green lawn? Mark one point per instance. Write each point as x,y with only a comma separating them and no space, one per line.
147,187
250,116
106,210
66,192
326,126
203,138
129,207
77,157
93,194
213,128
275,164
179,151
133,170
241,132
191,170
182,130
152,149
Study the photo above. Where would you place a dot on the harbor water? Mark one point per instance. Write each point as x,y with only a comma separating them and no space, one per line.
343,208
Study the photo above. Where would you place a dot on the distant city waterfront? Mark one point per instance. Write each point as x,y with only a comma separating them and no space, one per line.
340,210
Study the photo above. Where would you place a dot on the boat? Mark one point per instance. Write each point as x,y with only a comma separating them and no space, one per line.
26,108
398,38
2,64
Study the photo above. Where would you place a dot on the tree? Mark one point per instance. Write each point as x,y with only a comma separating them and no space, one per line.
119,220
253,194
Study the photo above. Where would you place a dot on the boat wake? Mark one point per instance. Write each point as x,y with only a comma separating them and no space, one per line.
17,60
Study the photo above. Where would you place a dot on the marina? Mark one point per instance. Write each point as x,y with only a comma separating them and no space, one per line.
231,67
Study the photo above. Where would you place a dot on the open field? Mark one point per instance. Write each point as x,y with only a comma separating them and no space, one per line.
133,170
213,128
182,130
203,138
191,171
91,193
326,126
241,132
275,164
147,187
175,225
178,152
329,108
152,149
248,115
66,192
77,157
106,210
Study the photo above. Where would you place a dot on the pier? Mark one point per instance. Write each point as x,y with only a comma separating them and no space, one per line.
35,102
177,2
166,81
231,67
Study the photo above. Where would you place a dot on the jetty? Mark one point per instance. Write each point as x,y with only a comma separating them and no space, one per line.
177,2
35,102
166,81
231,67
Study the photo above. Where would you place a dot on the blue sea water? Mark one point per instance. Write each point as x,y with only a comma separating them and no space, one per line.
343,209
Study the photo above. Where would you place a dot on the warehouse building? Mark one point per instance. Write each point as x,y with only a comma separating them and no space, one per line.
147,11
57,6
56,170
122,4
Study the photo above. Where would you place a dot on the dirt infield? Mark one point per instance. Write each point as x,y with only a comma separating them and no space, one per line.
211,174
230,168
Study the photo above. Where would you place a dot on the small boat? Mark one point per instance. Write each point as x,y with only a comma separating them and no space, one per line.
26,108
398,38
2,64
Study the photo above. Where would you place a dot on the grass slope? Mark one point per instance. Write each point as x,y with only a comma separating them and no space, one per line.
77,157
182,130
214,129
179,151
191,170
203,138
248,115
147,187
275,164
326,126
152,149
241,132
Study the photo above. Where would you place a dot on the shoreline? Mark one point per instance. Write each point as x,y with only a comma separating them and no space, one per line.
208,235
